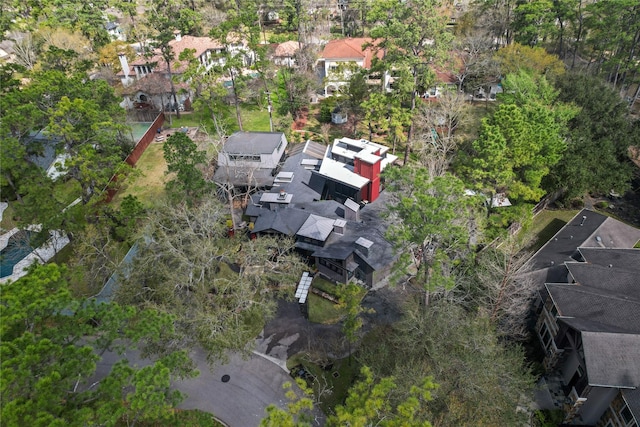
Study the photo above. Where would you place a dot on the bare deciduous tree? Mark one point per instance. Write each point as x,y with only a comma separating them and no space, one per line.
219,289
436,124
24,48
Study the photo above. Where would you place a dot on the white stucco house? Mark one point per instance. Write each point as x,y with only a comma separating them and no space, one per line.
146,79
341,57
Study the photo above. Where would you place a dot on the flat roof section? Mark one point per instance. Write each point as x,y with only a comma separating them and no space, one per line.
368,157
276,198
341,172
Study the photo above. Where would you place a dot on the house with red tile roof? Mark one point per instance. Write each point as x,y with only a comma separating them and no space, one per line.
146,79
284,53
338,58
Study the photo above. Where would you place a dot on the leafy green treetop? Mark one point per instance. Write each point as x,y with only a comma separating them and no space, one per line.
521,141
368,404
183,158
51,344
414,37
432,228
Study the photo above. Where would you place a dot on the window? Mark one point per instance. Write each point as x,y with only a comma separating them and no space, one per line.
627,417
244,158
545,336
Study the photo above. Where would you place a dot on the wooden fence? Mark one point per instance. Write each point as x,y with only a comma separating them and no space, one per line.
145,141
135,155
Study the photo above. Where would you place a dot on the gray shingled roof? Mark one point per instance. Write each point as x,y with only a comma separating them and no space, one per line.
565,242
302,187
239,176
316,227
612,358
46,145
315,149
596,231
253,142
613,280
380,254
286,221
627,259
597,305
581,324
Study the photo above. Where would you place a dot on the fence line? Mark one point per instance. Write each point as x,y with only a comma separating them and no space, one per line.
136,153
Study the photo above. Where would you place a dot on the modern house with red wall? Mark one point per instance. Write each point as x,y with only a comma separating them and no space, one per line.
351,169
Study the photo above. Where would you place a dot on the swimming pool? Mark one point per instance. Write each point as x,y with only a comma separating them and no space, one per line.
18,247
138,129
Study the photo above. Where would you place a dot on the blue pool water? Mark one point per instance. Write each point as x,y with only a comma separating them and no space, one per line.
138,129
17,249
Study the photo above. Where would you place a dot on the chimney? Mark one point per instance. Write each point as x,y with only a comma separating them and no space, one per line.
339,225
351,211
177,35
364,245
124,64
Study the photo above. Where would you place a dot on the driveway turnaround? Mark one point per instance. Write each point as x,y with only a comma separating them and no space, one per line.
237,392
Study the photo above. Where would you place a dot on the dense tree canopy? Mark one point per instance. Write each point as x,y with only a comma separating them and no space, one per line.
521,140
51,344
596,159
480,381
216,286
80,116
431,232
413,36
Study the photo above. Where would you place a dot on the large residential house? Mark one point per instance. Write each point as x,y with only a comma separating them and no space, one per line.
343,238
341,57
284,54
588,319
146,79
351,169
336,62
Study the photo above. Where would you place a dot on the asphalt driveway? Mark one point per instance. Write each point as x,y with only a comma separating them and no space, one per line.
251,386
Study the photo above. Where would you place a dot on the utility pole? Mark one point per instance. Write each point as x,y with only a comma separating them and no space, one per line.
269,109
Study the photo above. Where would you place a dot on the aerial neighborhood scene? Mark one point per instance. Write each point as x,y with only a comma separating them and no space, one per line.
340,213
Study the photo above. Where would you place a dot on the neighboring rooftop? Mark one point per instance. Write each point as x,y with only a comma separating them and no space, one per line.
588,229
351,49
612,359
287,49
253,142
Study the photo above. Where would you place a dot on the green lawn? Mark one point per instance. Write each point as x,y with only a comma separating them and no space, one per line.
322,310
8,222
546,224
253,119
147,183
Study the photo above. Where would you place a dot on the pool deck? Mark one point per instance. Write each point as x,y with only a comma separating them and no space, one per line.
44,253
